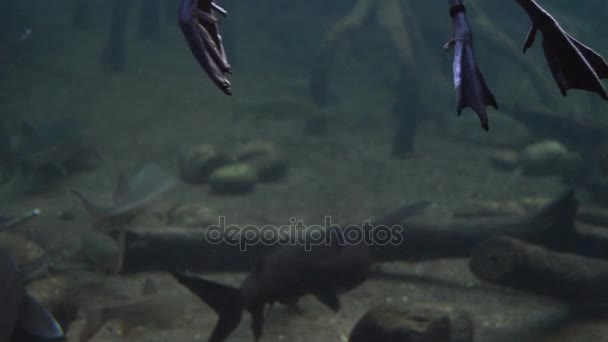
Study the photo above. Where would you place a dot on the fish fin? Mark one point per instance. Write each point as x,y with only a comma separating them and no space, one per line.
530,37
94,320
95,211
149,287
36,320
595,60
226,301
257,321
327,294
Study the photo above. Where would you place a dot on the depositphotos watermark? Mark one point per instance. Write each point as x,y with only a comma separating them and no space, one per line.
297,233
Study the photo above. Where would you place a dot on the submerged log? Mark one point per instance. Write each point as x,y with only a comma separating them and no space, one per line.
574,279
203,250
164,248
425,239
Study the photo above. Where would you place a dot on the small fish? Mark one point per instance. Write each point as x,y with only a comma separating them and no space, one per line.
7,223
573,64
131,196
21,314
151,309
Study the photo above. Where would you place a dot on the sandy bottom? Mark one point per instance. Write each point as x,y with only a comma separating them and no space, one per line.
163,104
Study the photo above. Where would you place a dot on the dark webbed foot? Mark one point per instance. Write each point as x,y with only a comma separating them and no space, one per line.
471,88
573,65
199,26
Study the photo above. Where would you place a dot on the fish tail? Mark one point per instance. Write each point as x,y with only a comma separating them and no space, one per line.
225,300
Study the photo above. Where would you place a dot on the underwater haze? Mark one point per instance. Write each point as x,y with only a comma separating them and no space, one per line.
145,199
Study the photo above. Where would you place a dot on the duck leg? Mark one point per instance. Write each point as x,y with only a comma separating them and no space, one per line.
573,64
199,26
471,88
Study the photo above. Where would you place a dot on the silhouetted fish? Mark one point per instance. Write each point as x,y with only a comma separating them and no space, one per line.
290,272
21,315
13,221
282,276
131,196
150,309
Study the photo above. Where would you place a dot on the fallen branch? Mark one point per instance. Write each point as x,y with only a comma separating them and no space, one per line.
574,279
164,248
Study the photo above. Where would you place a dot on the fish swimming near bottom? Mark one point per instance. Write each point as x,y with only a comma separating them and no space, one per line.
22,316
283,276
288,273
150,309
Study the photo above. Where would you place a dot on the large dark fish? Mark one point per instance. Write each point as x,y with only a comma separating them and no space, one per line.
288,273
573,65
151,309
22,316
283,276
471,88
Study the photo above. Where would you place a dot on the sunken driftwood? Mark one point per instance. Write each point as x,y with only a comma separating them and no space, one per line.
421,322
425,239
207,249
168,248
574,279
163,248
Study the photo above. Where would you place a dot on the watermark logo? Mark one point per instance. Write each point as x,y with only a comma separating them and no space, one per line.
296,233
